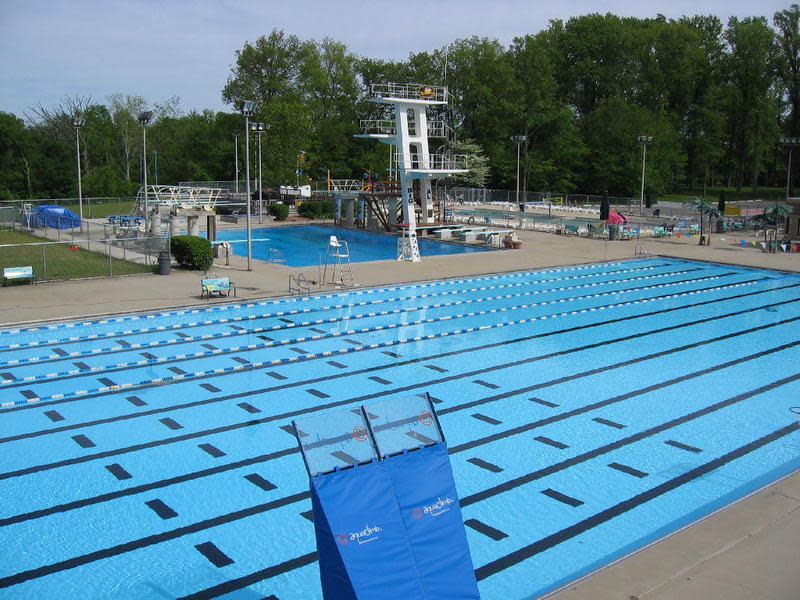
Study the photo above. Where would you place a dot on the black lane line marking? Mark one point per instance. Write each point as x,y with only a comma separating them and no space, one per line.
266,338
543,402
549,442
136,401
62,352
336,364
8,376
177,370
236,327
53,415
83,441
436,400
214,555
419,437
354,342
609,423
210,387
171,423
148,355
29,394
308,514
630,276
625,506
209,346
686,447
435,368
299,350
286,320
380,380
248,407
161,509
106,381
344,457
502,343
317,393
290,430
555,495
241,360
478,462
117,471
258,480
275,375
317,330
628,470
142,542
491,386
392,354
212,450
182,334
232,585
444,411
123,343
82,366
486,419
485,529
599,451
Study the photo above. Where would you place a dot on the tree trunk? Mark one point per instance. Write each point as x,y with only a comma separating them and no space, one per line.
27,176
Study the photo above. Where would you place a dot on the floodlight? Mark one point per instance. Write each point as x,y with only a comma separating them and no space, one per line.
519,138
248,108
145,117
78,121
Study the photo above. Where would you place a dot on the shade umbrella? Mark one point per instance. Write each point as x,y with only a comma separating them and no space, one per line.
614,218
604,207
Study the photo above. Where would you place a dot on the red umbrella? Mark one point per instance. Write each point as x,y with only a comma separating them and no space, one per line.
614,218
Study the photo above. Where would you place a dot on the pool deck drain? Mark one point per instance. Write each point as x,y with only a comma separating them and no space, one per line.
747,550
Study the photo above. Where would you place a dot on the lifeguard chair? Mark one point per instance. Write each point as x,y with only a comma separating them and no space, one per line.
338,259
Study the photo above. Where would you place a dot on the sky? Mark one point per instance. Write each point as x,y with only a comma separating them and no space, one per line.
50,49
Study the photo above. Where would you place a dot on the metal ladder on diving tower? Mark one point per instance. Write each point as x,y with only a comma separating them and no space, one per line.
338,258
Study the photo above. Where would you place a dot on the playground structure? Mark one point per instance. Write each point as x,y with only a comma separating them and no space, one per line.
408,135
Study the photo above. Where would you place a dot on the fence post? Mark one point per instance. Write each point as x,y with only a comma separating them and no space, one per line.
110,269
44,262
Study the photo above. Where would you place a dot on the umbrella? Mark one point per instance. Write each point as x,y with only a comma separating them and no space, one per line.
604,207
614,218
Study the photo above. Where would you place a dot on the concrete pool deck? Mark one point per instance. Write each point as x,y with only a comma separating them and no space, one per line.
746,551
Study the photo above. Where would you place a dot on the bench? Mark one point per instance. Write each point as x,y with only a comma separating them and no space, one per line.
18,274
219,285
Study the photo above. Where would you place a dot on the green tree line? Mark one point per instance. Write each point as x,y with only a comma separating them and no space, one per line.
715,98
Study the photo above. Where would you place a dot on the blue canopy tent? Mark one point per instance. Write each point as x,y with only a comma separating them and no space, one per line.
55,217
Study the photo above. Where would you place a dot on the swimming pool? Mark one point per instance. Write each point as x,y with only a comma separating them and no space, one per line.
589,410
306,245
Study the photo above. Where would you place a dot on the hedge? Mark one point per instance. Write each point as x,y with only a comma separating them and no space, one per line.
317,209
279,211
191,252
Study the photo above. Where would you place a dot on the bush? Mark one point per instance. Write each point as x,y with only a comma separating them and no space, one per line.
279,211
191,252
317,209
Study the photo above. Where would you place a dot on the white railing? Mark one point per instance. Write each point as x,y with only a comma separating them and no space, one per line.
435,162
410,91
377,126
175,195
346,185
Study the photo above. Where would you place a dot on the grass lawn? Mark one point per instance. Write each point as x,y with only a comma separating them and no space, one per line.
97,209
59,261
731,195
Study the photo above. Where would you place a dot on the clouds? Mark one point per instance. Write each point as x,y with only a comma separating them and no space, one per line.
53,48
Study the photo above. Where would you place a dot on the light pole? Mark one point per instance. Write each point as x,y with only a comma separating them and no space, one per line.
519,139
144,119
77,123
248,108
236,161
258,129
644,139
791,142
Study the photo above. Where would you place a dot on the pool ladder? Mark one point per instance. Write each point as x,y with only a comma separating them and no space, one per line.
642,251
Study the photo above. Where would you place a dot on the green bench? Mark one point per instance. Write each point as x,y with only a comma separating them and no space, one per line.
219,285
18,274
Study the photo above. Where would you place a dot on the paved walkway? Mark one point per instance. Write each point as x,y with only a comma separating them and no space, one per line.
748,551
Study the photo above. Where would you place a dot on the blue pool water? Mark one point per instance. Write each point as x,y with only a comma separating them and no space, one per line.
306,245
589,410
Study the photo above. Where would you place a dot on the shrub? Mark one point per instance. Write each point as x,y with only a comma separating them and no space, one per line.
279,211
191,252
317,209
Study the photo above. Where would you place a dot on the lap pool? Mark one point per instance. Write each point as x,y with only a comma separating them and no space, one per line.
589,410
306,245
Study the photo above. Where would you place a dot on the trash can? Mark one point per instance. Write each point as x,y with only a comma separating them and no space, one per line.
164,263
613,232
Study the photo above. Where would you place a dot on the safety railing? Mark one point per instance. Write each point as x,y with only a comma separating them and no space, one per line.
434,162
371,126
409,91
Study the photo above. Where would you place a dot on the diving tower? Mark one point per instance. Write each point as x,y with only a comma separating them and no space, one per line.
175,201
408,133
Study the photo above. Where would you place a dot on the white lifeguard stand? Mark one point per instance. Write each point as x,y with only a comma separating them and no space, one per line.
338,256
409,132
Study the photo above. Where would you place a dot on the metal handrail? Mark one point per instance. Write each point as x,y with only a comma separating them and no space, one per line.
409,91
435,162
377,126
